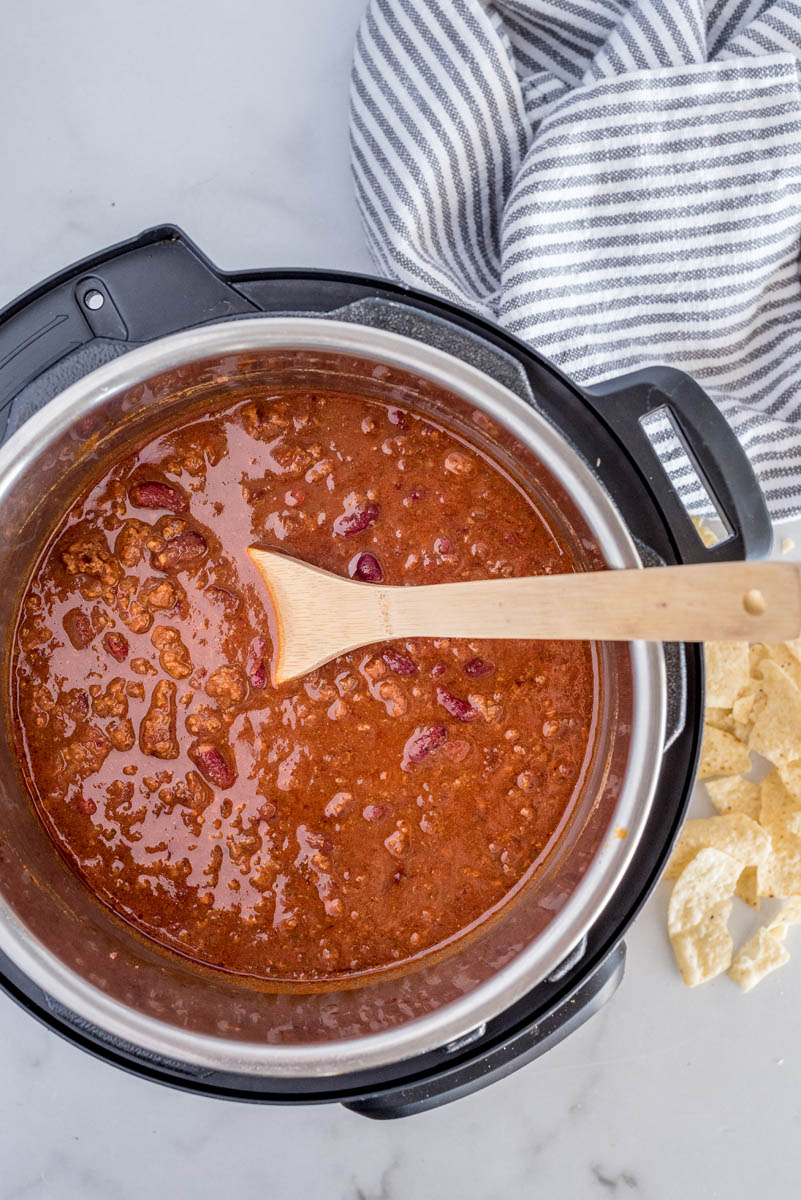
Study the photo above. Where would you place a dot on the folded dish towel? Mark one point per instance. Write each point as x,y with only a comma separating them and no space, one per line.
618,182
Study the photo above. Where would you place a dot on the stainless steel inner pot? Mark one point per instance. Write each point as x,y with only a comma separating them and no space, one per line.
97,967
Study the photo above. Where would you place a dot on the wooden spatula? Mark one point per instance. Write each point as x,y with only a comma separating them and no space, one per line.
320,616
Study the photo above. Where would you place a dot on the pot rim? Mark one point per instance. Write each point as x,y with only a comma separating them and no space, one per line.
470,1012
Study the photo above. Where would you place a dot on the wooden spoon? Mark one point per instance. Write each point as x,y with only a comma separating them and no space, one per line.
320,616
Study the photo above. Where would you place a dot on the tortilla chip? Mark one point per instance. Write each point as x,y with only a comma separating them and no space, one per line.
735,834
791,778
789,914
720,718
777,725
783,656
753,848
722,754
698,911
735,794
780,874
705,950
743,708
765,951
748,886
776,801
705,532
708,879
794,648
780,877
760,955
727,672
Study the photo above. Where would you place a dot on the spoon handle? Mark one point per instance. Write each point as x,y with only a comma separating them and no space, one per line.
710,602
317,616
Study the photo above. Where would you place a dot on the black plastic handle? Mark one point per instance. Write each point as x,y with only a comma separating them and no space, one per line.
473,1073
712,447
156,283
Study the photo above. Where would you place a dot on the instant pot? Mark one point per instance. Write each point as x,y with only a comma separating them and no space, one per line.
146,327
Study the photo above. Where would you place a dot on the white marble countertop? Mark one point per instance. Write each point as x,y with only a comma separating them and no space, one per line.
230,120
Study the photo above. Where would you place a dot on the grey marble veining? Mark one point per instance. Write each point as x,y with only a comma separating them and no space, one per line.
231,121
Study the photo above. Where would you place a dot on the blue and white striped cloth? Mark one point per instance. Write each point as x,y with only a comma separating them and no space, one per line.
618,182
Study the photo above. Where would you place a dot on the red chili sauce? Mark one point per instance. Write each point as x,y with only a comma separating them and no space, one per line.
343,823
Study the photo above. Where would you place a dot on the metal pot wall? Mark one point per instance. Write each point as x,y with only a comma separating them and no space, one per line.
588,457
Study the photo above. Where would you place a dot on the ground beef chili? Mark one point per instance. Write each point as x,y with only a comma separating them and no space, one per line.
346,822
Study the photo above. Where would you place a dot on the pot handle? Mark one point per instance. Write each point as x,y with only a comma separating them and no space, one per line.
710,444
139,289
472,1071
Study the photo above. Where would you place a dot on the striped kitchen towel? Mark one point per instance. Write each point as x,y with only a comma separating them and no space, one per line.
618,182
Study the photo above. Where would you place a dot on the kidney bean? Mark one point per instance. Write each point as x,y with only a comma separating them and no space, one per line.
455,705
357,520
78,628
398,417
438,670
182,551
398,662
366,568
422,742
477,667
117,646
257,669
212,764
154,494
